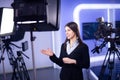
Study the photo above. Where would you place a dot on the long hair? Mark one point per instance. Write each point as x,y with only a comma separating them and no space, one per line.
74,27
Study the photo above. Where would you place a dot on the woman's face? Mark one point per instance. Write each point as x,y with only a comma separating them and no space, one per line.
69,33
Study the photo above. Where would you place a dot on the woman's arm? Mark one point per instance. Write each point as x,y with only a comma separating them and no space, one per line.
84,62
56,60
53,57
67,60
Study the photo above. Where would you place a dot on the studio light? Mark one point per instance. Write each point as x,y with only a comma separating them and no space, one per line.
43,15
6,21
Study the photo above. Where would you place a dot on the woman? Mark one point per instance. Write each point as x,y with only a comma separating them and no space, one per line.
74,54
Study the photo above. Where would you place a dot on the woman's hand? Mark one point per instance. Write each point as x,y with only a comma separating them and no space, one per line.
47,52
69,60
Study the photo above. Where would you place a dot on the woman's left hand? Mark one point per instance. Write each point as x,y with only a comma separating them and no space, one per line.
69,60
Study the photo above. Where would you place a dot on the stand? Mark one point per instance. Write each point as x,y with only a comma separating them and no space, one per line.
33,57
11,57
109,60
15,62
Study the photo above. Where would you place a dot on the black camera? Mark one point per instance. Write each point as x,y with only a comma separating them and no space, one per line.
105,29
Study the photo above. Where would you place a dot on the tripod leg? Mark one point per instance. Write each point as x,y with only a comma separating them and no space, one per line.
104,65
23,69
19,71
13,61
117,53
111,67
14,75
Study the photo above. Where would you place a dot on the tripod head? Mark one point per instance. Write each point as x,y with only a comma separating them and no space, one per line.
7,44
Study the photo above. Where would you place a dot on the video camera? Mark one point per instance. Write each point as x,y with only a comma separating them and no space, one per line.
105,29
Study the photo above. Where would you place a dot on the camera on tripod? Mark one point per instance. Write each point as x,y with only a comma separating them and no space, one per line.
105,30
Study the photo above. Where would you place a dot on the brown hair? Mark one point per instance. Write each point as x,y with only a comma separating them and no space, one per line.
74,27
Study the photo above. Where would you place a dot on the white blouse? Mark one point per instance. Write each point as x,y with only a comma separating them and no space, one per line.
70,49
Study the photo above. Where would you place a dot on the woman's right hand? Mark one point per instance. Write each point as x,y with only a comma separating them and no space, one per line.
47,52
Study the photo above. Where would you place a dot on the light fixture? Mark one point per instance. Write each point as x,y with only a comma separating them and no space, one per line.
6,21
40,14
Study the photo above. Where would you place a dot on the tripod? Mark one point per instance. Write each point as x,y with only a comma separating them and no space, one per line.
11,57
15,62
22,67
109,60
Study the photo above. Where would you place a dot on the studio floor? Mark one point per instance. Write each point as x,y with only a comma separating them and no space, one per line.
41,74
51,73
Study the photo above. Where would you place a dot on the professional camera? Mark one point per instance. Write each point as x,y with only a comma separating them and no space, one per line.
105,30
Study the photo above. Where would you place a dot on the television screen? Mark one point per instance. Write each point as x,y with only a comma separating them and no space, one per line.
6,21
88,30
